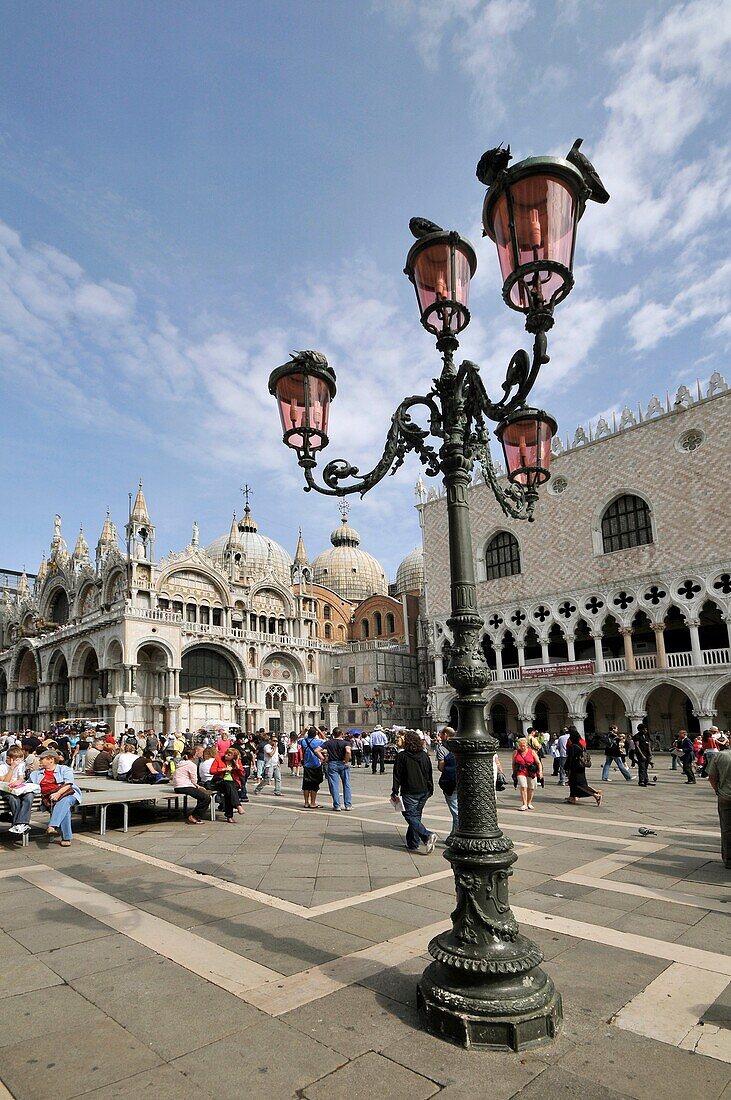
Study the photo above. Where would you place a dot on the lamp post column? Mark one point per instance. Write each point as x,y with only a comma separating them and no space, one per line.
485,987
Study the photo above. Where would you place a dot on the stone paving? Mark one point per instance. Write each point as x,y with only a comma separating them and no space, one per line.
278,957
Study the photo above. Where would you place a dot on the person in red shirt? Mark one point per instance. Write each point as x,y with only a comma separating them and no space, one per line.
527,770
228,775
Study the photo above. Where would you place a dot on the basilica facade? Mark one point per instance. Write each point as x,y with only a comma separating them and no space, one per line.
237,631
614,606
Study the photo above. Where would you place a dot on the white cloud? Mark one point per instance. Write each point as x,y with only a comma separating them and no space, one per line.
479,34
705,297
670,77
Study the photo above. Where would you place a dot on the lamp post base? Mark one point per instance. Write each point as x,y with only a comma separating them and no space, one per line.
496,1013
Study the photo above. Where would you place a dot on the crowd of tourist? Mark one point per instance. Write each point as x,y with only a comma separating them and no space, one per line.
219,763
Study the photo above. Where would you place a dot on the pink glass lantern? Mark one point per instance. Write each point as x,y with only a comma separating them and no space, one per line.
304,388
531,213
440,265
526,437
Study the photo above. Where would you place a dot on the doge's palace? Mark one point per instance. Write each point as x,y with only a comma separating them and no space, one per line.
614,606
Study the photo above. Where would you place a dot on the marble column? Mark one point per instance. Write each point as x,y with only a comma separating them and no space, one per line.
695,642
521,654
661,656
635,721
526,723
578,721
545,659
570,647
598,653
499,674
706,719
629,657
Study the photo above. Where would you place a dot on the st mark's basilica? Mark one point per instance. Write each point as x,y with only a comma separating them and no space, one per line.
237,631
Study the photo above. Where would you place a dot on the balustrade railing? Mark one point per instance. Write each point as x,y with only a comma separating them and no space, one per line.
680,660
644,662
717,656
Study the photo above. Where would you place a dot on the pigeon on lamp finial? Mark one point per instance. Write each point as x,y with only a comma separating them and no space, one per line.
492,163
422,227
597,190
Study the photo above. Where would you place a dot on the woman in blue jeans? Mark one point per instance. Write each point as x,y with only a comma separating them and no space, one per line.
412,779
59,794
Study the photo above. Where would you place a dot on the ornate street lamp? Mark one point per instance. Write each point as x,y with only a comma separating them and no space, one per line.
378,703
485,987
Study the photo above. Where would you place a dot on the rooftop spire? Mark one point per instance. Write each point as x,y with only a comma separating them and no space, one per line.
81,550
233,535
108,536
139,508
300,556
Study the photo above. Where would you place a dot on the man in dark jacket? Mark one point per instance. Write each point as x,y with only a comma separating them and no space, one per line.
412,779
643,752
685,747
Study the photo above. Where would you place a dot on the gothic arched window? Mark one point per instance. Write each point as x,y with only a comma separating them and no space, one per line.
502,556
626,523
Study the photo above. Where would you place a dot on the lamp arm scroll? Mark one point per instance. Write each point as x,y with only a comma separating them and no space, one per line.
404,436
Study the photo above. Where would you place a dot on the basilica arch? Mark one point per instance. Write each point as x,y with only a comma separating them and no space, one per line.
211,681
25,680
57,679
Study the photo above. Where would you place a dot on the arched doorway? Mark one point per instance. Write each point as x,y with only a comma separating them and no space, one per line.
604,708
503,715
722,707
208,682
151,681
58,693
87,686
550,713
26,695
669,709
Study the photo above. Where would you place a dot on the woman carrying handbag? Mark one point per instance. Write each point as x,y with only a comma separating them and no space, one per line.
527,770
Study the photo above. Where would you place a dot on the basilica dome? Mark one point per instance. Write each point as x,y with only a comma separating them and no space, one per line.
256,555
346,569
410,573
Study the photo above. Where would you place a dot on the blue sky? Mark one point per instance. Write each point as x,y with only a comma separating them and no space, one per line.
190,190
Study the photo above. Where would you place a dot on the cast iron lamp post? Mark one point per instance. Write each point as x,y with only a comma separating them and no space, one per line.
485,987
378,703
